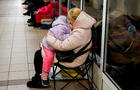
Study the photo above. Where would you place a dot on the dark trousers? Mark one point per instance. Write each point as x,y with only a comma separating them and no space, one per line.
38,60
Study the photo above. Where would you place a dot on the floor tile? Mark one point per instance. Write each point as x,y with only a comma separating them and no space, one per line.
18,75
4,60
4,68
18,87
18,55
19,67
6,46
5,54
18,49
18,82
30,60
3,88
31,73
31,66
3,76
5,50
18,60
3,83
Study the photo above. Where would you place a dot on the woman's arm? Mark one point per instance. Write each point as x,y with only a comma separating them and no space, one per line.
75,40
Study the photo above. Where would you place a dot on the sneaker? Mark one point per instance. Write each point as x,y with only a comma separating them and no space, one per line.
45,83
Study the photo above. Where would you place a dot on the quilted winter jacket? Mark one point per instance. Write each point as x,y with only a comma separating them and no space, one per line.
48,11
50,7
80,35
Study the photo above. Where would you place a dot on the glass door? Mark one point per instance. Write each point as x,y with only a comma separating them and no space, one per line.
122,44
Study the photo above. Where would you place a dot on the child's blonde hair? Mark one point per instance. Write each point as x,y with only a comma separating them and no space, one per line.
74,13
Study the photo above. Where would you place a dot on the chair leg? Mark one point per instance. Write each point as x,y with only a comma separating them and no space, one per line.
90,83
54,78
56,74
90,80
92,72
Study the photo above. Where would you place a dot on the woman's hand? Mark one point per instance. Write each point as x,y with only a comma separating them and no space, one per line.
36,12
26,7
48,33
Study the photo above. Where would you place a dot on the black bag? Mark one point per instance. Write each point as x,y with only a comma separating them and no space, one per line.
69,56
63,55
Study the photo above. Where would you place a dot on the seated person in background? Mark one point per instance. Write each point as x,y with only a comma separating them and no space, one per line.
60,30
33,6
47,12
80,35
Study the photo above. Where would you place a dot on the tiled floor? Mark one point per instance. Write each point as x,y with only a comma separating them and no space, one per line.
18,42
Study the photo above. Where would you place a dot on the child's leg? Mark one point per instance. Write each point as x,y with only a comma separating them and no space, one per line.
47,62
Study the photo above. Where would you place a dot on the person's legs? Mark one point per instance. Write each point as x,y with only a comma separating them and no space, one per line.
32,8
38,60
36,80
34,23
32,19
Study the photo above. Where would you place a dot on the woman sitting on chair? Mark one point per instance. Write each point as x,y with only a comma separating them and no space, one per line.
81,24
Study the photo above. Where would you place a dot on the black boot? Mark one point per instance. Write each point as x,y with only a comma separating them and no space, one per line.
35,82
27,13
31,24
35,24
30,21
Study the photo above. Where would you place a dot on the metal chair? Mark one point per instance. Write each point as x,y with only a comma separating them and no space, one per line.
83,71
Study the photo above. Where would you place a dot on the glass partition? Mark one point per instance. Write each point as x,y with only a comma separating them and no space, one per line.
122,57
75,3
94,8
68,4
